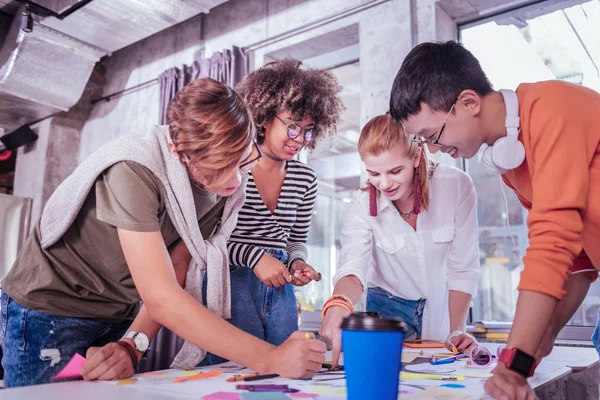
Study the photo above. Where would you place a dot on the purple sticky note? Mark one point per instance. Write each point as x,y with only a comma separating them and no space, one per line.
71,370
222,396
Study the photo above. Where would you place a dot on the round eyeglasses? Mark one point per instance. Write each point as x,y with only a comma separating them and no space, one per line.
293,130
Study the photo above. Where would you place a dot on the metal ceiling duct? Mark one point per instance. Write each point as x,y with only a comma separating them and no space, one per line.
45,71
114,24
41,72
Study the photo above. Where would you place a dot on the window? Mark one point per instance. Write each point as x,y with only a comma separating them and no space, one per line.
526,46
338,168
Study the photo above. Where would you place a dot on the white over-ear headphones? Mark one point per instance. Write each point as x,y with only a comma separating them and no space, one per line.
507,152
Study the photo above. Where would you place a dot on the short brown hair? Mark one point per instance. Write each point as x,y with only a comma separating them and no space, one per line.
283,85
210,124
382,133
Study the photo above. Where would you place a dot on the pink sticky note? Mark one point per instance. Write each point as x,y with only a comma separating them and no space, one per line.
222,396
71,370
302,395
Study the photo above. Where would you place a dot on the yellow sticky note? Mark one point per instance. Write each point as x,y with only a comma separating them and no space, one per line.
409,357
127,381
411,375
189,373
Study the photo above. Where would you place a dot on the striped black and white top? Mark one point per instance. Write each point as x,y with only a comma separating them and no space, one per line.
286,228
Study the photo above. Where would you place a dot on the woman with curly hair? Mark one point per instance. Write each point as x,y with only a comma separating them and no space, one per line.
293,108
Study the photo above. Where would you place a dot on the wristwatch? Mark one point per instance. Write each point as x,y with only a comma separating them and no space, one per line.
140,340
518,361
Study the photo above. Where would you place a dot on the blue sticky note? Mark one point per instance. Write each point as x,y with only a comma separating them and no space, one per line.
263,396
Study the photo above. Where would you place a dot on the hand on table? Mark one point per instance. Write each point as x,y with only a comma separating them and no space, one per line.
298,357
107,363
332,332
508,385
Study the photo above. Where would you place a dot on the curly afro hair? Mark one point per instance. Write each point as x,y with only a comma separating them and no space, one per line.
283,85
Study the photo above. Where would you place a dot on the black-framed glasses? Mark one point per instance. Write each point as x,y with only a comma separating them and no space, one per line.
248,165
293,131
436,142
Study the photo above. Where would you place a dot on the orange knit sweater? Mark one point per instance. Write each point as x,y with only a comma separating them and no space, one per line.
559,182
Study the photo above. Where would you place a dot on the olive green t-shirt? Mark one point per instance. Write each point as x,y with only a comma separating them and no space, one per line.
84,274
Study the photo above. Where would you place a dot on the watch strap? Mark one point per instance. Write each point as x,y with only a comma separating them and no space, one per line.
131,351
507,356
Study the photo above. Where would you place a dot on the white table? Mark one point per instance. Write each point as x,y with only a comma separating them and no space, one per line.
86,391
554,367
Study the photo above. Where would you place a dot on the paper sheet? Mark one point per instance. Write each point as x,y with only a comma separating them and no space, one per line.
427,368
442,393
408,357
222,396
332,385
302,395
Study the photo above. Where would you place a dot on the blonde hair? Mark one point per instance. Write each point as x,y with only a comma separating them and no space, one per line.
210,124
381,134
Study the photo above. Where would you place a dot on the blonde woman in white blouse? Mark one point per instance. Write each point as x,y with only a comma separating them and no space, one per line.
409,240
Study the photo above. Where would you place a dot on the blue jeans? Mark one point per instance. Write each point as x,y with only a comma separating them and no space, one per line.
37,345
268,313
596,335
388,305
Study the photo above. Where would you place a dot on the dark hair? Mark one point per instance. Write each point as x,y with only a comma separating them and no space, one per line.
283,85
210,124
435,74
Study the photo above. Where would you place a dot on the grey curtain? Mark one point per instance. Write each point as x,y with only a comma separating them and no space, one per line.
229,67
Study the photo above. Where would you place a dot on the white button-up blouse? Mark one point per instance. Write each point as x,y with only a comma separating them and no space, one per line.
441,255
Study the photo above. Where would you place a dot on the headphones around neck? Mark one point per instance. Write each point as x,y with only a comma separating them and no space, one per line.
507,152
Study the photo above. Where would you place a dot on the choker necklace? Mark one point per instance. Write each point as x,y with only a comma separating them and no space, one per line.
408,214
405,215
269,156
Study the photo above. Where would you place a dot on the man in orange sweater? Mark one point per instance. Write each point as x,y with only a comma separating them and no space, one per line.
545,142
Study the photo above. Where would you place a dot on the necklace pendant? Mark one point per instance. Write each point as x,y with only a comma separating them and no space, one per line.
406,215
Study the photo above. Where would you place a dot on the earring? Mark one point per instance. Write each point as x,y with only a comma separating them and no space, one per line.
417,192
372,200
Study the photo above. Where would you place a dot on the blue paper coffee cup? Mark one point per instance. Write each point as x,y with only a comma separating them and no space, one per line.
372,349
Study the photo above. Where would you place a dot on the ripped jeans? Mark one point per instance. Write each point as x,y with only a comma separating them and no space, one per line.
37,345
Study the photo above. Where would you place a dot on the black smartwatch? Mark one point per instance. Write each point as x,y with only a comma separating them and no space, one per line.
518,361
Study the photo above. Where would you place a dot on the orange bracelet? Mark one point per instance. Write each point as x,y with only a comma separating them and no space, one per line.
339,303
342,297
337,300
330,305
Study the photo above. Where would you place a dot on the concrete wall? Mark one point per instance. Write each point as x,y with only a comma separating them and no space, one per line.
137,111
385,38
44,164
